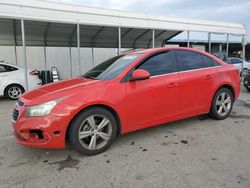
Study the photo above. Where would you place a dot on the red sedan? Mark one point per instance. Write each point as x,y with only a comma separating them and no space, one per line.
128,92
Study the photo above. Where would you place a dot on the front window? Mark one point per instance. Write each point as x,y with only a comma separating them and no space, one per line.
159,64
111,68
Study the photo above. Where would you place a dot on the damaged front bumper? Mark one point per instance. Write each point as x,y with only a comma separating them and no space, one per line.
41,132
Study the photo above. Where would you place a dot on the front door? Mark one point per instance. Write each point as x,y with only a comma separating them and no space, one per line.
156,98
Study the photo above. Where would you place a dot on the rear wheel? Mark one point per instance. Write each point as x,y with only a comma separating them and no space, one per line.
14,91
222,104
93,131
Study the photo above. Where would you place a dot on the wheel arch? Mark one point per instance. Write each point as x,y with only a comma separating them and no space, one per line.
225,85
109,108
5,89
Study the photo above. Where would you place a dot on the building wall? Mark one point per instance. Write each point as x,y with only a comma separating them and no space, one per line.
58,57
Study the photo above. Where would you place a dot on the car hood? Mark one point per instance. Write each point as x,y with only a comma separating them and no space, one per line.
56,90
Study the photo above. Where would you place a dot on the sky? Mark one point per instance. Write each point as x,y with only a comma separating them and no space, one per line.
237,11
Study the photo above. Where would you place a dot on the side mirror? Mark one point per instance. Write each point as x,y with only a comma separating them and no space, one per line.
140,74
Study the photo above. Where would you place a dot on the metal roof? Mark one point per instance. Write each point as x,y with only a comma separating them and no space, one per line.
54,24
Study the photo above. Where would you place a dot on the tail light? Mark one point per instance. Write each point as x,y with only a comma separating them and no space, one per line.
34,72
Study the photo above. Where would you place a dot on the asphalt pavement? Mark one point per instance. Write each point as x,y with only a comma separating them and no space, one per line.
197,152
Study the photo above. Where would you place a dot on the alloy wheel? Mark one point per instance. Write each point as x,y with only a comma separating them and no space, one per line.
14,92
95,132
244,72
223,103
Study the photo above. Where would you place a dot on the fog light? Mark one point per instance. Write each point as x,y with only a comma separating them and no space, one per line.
36,133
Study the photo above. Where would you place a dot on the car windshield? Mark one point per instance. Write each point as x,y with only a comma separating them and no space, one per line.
109,69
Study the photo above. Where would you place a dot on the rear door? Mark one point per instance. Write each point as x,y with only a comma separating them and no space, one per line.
195,82
156,98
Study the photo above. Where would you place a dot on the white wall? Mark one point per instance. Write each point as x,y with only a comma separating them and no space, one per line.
58,57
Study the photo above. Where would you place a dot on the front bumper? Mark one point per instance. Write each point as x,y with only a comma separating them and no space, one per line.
41,132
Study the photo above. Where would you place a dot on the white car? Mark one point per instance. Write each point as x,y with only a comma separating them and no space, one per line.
243,66
12,80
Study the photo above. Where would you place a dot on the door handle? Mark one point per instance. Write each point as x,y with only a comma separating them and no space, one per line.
172,84
3,75
208,77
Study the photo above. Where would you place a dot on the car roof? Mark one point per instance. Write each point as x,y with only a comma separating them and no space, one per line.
152,50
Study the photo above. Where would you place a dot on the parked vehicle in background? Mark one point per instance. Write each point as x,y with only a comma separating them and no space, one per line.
242,66
12,80
128,92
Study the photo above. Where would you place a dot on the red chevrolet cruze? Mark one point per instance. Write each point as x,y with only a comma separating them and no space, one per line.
128,92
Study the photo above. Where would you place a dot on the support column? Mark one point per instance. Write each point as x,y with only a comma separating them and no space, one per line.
243,47
78,48
15,52
70,59
24,54
93,58
14,37
45,62
119,40
209,42
153,38
220,47
188,39
227,47
45,52
243,52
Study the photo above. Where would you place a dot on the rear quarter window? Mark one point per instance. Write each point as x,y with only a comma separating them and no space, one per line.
209,62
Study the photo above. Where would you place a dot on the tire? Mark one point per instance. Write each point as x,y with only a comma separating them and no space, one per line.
244,72
220,109
246,82
13,91
94,139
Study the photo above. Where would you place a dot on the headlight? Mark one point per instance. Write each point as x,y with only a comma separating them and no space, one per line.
41,109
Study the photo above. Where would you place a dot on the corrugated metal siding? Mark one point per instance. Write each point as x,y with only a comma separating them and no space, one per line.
58,57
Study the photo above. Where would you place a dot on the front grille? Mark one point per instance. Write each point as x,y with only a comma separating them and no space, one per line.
15,114
20,103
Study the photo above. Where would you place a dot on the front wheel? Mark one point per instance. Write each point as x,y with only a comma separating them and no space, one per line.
222,104
93,131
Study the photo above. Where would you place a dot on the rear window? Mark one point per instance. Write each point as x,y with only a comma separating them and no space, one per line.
7,68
